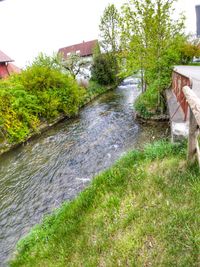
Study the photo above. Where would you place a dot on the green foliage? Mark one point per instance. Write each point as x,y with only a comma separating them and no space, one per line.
190,49
151,42
27,107
142,211
74,64
70,96
96,50
109,29
103,69
55,91
93,90
12,127
147,103
52,62
110,40
40,93
38,78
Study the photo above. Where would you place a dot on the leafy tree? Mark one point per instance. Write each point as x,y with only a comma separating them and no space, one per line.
151,42
52,62
109,29
190,49
96,50
110,36
75,65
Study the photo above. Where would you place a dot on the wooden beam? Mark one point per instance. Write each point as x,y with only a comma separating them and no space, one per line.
194,124
193,101
192,138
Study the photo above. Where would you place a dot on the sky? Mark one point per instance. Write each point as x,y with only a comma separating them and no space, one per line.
32,26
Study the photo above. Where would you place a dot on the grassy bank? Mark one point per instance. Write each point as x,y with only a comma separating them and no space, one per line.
144,211
94,89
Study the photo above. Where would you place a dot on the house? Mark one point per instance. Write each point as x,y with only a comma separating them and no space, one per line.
6,67
84,50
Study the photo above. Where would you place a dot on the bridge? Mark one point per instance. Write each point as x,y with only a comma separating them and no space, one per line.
184,107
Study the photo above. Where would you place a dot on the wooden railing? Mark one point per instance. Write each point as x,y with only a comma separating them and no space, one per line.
194,124
178,82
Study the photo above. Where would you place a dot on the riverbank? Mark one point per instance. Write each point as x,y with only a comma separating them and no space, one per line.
60,163
141,212
94,90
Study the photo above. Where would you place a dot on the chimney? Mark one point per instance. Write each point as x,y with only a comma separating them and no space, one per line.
198,19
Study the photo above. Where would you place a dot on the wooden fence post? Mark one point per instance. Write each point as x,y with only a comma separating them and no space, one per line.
192,139
194,124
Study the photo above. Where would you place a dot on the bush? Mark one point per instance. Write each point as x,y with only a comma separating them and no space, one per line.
147,103
55,91
11,127
40,78
104,70
39,93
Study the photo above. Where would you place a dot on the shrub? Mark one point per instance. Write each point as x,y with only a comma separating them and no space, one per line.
40,78
147,103
71,97
103,70
11,127
39,93
55,91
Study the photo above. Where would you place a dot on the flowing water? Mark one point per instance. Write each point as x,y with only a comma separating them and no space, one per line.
37,177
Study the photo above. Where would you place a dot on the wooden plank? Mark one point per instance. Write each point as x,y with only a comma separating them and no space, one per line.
193,101
192,138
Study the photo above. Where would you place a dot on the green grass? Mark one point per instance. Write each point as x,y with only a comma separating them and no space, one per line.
194,64
94,89
144,211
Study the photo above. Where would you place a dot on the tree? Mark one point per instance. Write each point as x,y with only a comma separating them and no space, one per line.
109,29
151,42
75,65
110,37
51,62
102,70
190,50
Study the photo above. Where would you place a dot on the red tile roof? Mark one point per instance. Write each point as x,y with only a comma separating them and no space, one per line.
83,49
4,57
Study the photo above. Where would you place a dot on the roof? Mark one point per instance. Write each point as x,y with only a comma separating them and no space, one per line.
13,68
4,57
83,49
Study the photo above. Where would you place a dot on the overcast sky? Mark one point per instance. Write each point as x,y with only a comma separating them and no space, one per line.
32,26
